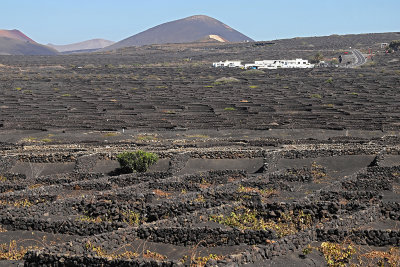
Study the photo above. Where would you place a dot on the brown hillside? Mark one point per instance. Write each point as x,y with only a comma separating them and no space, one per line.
185,30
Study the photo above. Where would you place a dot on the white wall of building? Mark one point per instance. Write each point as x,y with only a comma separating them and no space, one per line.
268,64
227,63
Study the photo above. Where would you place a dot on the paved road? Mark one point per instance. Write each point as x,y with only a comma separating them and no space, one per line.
360,59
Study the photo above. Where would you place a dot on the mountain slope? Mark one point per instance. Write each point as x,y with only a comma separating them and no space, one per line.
10,46
85,45
15,34
212,38
185,30
14,42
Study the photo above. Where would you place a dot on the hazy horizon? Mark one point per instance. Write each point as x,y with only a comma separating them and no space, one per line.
66,22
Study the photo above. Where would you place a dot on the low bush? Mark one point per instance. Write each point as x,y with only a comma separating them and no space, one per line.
316,96
395,45
244,219
317,58
12,252
348,254
138,161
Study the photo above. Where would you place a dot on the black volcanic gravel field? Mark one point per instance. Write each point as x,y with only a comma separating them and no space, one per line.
256,168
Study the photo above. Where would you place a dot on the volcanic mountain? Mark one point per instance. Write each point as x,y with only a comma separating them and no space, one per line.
85,46
14,42
187,30
15,34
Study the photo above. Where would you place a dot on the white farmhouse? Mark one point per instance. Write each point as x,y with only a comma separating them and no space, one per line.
296,63
271,64
260,64
276,64
227,63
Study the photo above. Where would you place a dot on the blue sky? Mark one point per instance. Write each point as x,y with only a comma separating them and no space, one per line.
69,21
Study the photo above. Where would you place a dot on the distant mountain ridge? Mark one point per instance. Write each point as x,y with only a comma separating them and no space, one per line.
185,30
93,44
14,42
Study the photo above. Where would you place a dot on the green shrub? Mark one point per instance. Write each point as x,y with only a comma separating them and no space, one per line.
394,45
317,58
138,161
316,96
244,219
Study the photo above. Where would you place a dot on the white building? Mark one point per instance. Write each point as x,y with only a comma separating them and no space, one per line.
227,63
263,64
284,64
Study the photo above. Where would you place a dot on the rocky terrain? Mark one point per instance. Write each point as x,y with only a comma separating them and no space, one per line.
288,167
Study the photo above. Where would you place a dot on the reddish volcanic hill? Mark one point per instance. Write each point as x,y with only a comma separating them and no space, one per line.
187,30
14,42
15,34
